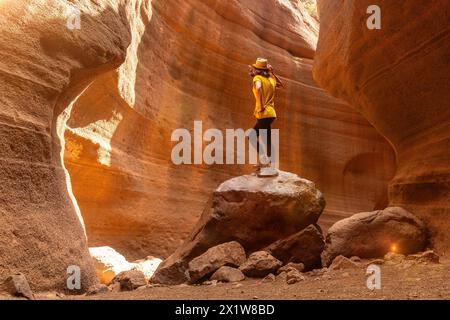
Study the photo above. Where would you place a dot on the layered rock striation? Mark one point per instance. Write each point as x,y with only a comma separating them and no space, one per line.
397,77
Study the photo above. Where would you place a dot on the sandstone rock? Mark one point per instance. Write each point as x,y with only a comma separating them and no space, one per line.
362,67
230,254
130,280
294,276
428,256
373,234
259,264
393,258
42,229
300,267
108,263
228,274
247,207
17,285
282,275
317,272
148,266
171,273
115,287
97,289
303,247
341,262
269,278
375,261
254,211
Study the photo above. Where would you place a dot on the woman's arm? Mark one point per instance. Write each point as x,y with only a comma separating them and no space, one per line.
279,83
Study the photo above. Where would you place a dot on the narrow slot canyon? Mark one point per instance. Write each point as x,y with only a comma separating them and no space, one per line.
117,153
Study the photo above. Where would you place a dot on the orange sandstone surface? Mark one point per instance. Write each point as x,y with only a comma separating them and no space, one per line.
398,78
86,117
190,63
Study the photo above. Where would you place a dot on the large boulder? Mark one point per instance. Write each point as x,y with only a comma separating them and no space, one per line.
253,211
373,234
303,247
226,254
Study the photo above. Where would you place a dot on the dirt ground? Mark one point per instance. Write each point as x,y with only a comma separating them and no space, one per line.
421,281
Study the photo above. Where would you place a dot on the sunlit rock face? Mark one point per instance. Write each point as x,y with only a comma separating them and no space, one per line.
397,77
109,263
189,66
44,65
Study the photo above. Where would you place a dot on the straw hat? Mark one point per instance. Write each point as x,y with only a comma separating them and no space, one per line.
260,64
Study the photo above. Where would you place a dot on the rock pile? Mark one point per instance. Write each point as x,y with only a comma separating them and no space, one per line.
259,228
257,213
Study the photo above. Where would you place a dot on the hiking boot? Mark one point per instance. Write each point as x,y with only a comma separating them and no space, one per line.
267,172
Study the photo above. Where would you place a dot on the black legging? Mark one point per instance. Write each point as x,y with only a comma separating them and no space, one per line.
264,123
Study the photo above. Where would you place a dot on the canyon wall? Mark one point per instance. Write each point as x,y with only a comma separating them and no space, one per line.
44,66
86,117
191,62
398,78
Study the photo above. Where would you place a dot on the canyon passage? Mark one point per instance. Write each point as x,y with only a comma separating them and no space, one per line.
87,179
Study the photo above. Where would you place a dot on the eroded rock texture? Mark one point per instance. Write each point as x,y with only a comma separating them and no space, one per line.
107,97
190,61
398,78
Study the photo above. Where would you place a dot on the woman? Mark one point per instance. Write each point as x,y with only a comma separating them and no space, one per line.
264,84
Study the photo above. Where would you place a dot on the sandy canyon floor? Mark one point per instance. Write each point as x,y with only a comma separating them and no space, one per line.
421,281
